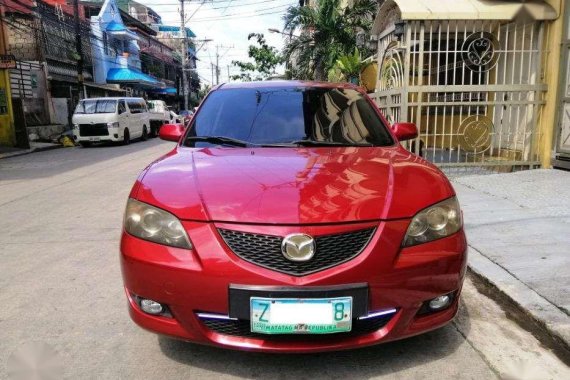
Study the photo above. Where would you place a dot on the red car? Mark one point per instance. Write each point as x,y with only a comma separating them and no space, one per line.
288,218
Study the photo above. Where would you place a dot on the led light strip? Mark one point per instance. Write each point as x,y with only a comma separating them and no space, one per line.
378,314
216,316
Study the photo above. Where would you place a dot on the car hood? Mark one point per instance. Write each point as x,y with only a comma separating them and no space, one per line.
292,185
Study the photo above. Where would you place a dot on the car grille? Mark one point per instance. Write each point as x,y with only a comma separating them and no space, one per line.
242,328
99,129
265,250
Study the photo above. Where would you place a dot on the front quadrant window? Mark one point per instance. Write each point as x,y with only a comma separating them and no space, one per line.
285,116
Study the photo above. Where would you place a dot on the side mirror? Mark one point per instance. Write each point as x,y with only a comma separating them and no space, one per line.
171,132
405,131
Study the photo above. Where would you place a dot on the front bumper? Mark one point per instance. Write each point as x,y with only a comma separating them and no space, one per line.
198,281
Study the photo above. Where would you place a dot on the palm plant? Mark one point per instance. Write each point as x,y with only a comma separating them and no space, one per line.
350,65
327,32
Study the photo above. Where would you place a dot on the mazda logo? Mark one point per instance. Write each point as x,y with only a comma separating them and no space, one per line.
298,247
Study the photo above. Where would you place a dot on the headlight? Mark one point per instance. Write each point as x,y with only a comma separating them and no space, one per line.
113,125
150,223
435,222
76,126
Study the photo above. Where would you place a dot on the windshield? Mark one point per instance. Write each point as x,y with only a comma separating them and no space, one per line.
290,116
96,106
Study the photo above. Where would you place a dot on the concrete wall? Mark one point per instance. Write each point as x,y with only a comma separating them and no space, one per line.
548,121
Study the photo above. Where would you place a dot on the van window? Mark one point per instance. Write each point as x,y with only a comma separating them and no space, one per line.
134,106
91,106
122,106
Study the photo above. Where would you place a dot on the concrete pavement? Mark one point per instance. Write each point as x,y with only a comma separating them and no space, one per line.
518,228
60,220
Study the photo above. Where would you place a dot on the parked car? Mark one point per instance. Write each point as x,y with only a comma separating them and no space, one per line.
288,218
110,119
159,115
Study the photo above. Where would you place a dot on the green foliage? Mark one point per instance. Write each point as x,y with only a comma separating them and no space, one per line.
327,33
350,66
265,59
202,92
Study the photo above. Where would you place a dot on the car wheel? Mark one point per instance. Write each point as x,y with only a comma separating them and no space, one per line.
126,137
144,136
85,144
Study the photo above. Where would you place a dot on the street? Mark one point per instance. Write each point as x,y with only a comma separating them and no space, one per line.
60,222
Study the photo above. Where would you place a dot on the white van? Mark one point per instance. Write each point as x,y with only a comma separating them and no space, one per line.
159,115
110,119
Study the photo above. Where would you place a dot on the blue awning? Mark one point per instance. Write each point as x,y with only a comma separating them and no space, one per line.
174,28
124,75
115,26
119,30
165,91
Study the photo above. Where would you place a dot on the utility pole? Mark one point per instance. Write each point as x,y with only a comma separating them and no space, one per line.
217,66
218,56
229,78
79,48
184,53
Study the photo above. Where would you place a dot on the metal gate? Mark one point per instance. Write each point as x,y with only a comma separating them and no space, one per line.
562,157
473,88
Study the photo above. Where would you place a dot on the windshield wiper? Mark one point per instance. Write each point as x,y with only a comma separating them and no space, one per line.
221,140
323,143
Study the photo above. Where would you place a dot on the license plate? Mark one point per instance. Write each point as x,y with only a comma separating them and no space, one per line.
300,315
95,139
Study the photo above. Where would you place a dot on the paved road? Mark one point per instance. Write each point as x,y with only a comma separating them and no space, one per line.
60,284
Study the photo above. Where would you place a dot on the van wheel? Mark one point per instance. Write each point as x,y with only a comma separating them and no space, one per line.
85,144
144,136
126,137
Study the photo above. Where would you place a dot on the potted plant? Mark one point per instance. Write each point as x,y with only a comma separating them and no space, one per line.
350,66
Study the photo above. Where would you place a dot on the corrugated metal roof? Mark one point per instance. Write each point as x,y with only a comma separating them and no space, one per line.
471,9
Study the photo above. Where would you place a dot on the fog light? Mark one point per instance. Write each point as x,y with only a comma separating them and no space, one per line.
437,304
151,307
440,302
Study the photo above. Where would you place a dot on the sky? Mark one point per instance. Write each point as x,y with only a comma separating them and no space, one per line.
227,23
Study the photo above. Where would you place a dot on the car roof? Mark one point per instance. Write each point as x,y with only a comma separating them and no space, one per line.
285,84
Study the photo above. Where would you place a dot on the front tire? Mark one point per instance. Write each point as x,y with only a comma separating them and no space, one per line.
126,137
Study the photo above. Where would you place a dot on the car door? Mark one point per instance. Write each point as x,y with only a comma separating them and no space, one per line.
145,114
135,125
123,116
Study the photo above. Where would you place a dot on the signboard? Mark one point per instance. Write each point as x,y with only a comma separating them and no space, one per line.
7,61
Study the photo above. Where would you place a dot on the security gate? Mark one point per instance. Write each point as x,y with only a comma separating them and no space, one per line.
473,88
562,156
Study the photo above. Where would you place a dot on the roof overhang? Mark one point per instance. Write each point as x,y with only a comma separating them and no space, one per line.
465,10
132,77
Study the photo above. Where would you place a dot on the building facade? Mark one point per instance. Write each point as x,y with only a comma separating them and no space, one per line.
475,76
41,36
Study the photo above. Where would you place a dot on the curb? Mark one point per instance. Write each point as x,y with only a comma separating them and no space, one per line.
28,151
546,321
